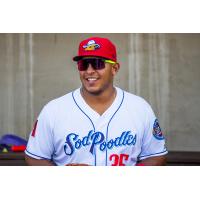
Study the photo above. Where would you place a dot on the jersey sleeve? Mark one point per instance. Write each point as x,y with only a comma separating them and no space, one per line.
153,141
40,143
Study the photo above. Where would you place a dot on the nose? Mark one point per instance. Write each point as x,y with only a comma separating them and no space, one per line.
90,69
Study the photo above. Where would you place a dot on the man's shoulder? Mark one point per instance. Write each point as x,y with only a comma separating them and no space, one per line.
60,101
137,103
135,99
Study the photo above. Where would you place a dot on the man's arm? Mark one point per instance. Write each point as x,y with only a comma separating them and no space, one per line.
153,161
36,162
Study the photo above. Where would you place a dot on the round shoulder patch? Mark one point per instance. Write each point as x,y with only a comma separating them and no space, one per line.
157,133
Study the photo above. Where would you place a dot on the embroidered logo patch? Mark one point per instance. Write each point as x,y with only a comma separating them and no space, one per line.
157,132
91,45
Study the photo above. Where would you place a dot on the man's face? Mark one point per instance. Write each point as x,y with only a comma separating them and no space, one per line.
97,81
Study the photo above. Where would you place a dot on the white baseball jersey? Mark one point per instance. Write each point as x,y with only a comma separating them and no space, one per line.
68,131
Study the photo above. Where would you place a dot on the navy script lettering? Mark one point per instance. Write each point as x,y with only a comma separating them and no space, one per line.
73,142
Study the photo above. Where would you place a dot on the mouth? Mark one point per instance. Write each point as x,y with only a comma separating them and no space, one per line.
91,79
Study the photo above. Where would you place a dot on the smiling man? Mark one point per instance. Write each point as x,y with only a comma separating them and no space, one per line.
98,123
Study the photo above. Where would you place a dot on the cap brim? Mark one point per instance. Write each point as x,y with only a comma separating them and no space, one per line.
77,58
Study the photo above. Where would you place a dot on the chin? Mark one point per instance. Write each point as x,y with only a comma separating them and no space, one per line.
93,91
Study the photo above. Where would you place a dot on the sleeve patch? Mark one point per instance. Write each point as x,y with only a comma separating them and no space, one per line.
34,129
157,132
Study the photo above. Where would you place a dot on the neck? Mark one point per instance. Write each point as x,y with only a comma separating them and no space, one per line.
103,97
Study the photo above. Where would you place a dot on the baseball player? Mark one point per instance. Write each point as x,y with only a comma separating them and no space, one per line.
98,123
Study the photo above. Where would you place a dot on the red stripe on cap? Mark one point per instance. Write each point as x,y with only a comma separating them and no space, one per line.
34,129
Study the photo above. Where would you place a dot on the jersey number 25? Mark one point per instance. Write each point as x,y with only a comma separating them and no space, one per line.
118,160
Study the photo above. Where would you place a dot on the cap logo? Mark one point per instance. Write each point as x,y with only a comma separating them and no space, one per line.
91,45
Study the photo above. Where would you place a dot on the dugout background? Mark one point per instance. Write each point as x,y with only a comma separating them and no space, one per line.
162,68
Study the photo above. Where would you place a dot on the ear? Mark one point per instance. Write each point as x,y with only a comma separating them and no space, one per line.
115,69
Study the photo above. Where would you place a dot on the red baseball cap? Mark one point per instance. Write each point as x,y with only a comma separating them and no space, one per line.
97,47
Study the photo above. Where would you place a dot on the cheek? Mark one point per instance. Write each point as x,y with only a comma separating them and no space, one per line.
81,75
108,77
111,73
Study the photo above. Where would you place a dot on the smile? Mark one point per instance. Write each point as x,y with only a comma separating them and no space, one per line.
91,79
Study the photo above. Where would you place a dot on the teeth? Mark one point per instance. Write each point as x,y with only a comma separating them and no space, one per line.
91,79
